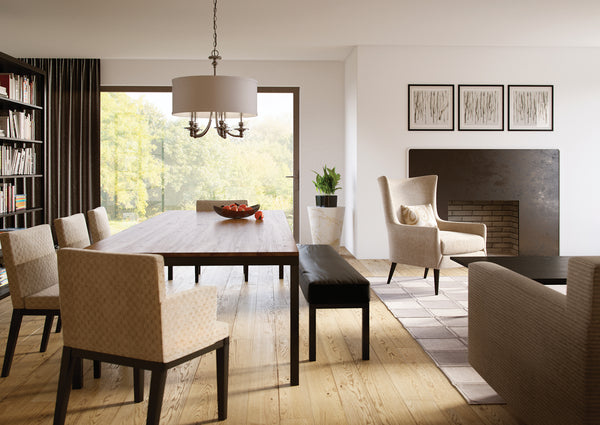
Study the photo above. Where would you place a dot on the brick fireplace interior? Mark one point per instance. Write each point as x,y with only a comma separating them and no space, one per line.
515,192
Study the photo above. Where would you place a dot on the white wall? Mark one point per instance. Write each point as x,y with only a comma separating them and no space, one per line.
349,187
383,74
321,105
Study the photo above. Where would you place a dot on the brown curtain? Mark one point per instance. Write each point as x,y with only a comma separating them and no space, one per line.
72,159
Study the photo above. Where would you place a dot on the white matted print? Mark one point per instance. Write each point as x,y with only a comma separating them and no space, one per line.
531,108
481,107
430,107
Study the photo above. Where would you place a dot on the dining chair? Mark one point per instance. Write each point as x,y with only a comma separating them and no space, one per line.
31,268
417,236
99,224
72,231
137,324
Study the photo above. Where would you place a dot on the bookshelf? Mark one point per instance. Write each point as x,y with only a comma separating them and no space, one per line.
22,139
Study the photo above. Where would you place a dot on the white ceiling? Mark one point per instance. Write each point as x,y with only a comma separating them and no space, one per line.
285,29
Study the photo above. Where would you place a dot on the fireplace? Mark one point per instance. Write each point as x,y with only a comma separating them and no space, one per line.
526,180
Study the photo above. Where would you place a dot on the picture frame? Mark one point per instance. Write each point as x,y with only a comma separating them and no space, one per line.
480,107
530,107
431,107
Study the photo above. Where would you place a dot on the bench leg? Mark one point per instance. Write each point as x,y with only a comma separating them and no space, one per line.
312,333
365,332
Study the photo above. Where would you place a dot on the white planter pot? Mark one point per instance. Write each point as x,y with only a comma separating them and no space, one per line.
326,225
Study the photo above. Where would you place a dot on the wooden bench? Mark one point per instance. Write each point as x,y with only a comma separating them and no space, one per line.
328,281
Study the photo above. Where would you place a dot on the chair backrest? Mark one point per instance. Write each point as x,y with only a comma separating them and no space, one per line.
30,261
72,231
99,225
207,205
110,302
412,191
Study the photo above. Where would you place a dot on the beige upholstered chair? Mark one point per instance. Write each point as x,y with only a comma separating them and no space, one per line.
538,348
30,261
72,231
99,224
429,245
203,205
136,324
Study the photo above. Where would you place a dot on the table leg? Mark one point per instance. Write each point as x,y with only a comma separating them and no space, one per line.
294,326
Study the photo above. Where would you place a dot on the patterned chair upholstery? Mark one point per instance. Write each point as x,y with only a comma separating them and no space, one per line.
99,224
31,268
72,231
432,241
115,309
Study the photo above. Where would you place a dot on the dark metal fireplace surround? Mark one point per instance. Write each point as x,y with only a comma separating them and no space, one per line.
499,176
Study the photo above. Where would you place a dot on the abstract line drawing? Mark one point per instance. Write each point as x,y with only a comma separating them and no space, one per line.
530,108
481,107
430,107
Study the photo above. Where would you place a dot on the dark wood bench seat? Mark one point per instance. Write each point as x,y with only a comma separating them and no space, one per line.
328,281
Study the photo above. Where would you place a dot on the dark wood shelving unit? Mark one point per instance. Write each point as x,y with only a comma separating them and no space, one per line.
33,185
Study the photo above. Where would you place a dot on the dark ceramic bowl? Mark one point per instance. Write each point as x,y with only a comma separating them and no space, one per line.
236,214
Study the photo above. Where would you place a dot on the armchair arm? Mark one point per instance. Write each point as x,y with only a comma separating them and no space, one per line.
463,227
190,321
414,245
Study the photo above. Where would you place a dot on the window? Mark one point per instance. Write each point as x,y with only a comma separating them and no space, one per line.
149,164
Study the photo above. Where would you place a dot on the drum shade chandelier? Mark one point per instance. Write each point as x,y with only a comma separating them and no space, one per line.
214,96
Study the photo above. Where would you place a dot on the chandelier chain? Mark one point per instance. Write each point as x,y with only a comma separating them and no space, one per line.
215,52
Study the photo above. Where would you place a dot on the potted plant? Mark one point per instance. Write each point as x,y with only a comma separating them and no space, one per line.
327,184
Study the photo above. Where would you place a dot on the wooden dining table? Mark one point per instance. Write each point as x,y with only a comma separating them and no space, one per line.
190,238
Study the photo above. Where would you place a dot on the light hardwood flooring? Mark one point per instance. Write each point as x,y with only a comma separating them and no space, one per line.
398,385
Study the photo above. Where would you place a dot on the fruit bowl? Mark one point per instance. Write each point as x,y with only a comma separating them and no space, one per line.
236,214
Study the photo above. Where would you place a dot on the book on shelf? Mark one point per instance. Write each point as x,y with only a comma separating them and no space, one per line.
19,87
8,199
16,160
20,201
3,277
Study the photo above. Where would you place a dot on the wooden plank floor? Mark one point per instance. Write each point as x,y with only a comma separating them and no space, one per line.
398,385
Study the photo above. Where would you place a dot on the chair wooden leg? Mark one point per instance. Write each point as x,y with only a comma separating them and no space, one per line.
365,333
436,280
64,386
138,385
245,272
11,343
169,272
223,378
392,268
425,274
58,324
97,369
312,333
196,273
77,374
280,272
46,333
157,391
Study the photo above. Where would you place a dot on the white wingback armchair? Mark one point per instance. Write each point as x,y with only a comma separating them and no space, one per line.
431,241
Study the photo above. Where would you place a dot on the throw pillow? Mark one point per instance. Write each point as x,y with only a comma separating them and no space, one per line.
417,215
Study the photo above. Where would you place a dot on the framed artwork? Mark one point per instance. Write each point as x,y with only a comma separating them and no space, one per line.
531,108
431,107
480,107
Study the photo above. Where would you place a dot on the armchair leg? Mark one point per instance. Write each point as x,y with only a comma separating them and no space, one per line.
196,273
67,364
436,280
157,391
58,324
245,272
46,334
392,268
97,369
77,375
280,272
222,378
425,274
169,272
11,343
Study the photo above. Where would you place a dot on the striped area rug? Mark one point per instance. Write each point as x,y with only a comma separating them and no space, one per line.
439,324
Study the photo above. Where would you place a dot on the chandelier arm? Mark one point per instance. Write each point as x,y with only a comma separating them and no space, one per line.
194,127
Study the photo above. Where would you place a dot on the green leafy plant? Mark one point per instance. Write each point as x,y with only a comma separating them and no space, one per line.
327,183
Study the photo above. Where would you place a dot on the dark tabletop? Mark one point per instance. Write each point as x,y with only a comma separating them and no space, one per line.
546,270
